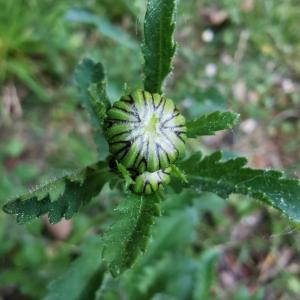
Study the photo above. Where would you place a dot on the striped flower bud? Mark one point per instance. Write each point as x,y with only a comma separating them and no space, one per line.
145,132
148,183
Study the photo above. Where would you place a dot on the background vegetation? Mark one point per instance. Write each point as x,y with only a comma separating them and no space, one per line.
239,54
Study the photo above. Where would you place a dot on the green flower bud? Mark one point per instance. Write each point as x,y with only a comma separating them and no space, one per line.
148,183
145,132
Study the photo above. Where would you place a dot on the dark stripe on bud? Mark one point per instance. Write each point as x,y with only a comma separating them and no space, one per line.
146,133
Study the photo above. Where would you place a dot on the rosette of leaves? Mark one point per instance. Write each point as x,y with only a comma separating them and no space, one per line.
146,135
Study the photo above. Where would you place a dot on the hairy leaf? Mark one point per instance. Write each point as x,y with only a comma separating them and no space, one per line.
213,174
159,47
91,81
83,278
210,123
61,197
129,234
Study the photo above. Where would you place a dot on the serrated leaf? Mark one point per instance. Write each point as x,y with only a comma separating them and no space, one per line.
61,197
159,47
212,174
208,124
91,81
83,278
130,233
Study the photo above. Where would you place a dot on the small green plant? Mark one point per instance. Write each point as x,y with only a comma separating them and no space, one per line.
147,138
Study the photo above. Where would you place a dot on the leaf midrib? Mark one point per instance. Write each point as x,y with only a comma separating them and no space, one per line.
233,187
160,49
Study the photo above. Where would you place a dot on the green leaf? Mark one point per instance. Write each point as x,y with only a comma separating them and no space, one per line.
125,174
129,234
212,174
104,26
210,123
91,81
205,274
99,107
83,278
178,173
110,288
172,235
159,47
171,276
61,197
173,231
